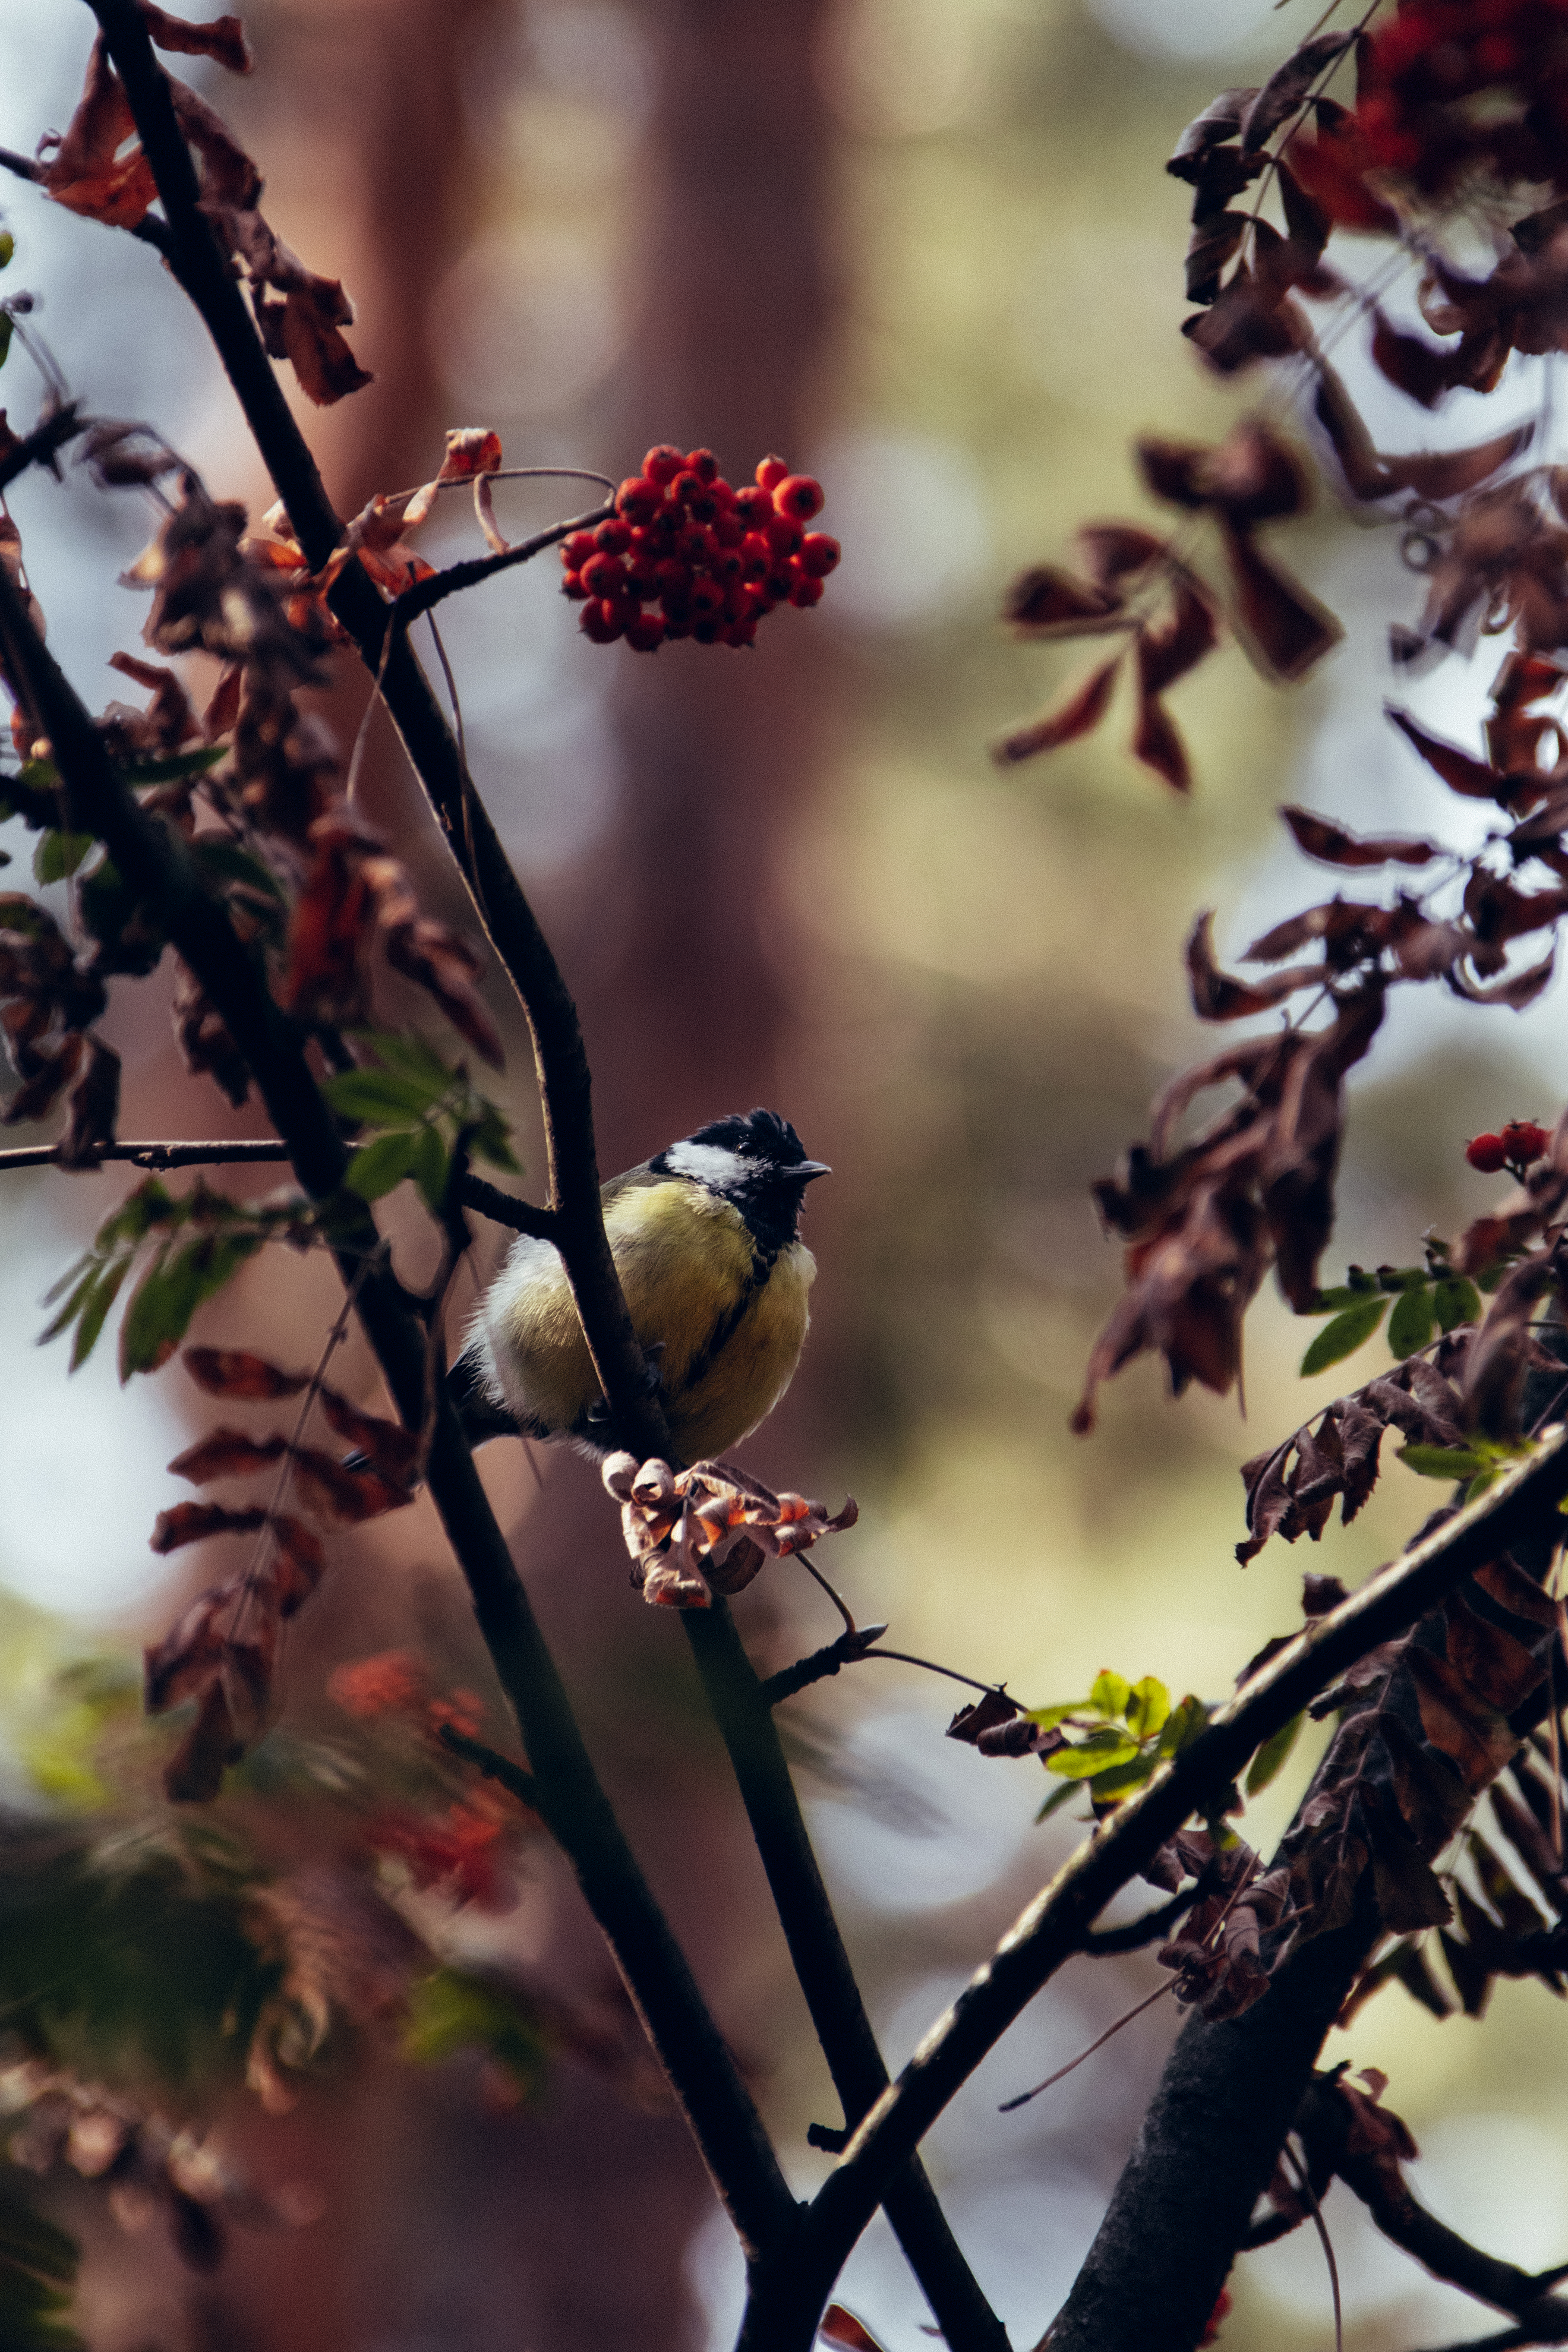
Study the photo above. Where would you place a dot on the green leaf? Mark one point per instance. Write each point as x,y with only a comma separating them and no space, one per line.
407,1055
1456,1301
57,1289
1057,1797
377,1098
224,861
150,1204
1148,1708
1394,1278
376,1167
95,1311
1410,1325
1442,1461
491,1141
1096,1754
1110,1693
1048,1718
182,763
1271,1757
73,1304
1108,1786
1343,1335
431,1169
7,247
171,1291
59,854
1183,1725
1494,1275
453,2011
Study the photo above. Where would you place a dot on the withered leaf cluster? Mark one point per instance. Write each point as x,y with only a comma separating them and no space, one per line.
223,1651
98,167
692,1533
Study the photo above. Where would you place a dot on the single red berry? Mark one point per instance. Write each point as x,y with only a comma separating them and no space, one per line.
805,591
674,578
727,529
572,585
604,620
1523,1141
819,555
638,499
771,473
741,633
759,555
645,634
692,492
676,624
691,544
727,564
752,507
703,464
642,572
778,584
604,575
706,597
705,633
1486,1152
784,535
663,463
613,538
800,496
575,551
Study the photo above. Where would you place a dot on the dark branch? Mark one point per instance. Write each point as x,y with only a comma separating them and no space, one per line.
1054,1925
744,1713
1139,1932
499,901
506,1209
1551,2327
155,864
819,1664
424,593
150,230
40,444
495,1766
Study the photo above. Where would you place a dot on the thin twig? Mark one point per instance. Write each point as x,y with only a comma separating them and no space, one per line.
1126,2018
830,1660
477,569
494,1767
907,1658
148,230
40,445
1305,2185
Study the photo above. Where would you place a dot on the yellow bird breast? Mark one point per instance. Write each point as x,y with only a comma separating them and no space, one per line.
731,1337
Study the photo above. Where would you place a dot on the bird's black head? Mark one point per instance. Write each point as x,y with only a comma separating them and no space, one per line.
757,1162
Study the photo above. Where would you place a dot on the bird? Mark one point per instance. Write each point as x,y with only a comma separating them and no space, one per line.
705,1237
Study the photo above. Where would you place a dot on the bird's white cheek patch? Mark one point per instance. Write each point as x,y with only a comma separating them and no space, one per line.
707,1163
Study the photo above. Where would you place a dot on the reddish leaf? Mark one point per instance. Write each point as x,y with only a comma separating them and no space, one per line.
190,1522
223,39
1251,476
1156,740
443,963
299,1562
1330,172
1423,370
1474,1735
86,173
1082,711
232,1372
92,1108
1460,771
1519,989
1320,837
1290,85
193,1774
1288,629
392,1450
1490,1661
1217,997
226,1454
1052,603
1114,551
339,1494
188,1656
1179,643
842,2329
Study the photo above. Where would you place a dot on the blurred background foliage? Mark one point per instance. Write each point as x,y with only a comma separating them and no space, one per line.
924,247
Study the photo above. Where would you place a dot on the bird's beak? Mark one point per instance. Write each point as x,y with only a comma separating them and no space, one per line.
807,1169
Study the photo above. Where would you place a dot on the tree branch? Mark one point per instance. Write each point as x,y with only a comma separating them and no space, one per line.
499,904
424,593
495,1766
785,2306
40,444
155,862
744,1716
816,1667
149,230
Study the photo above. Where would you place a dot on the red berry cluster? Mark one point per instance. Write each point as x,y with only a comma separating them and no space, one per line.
1435,81
686,555
1518,1143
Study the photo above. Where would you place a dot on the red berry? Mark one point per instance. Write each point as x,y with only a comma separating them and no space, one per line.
805,591
674,578
703,464
752,507
800,496
643,573
1523,1141
575,551
613,538
784,535
741,633
727,564
778,584
604,575
819,555
706,632
572,585
676,624
645,634
638,499
691,544
771,473
727,529
663,463
604,620
1488,1153
692,492
706,597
